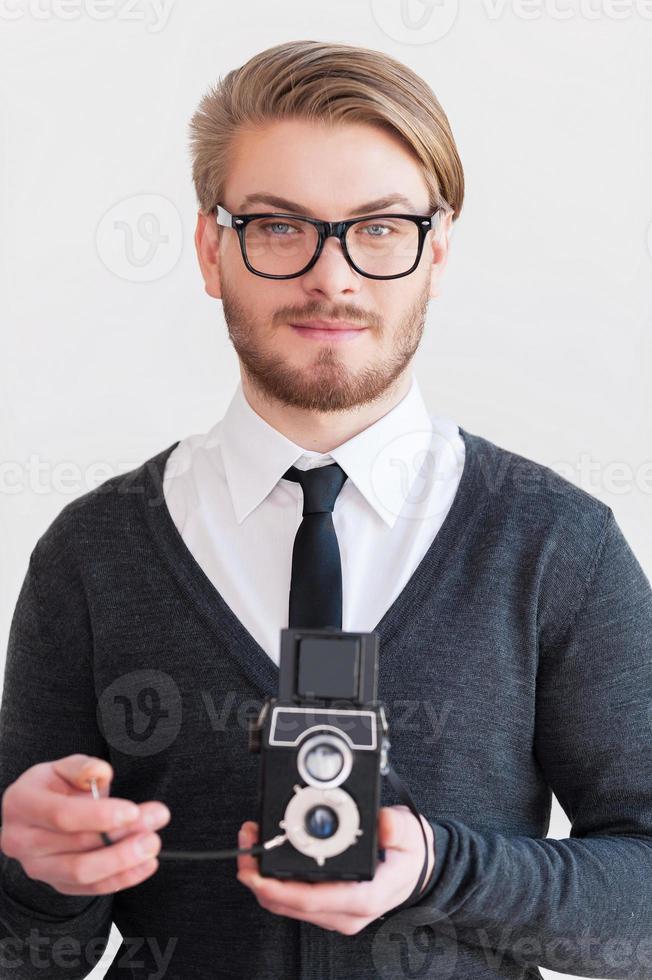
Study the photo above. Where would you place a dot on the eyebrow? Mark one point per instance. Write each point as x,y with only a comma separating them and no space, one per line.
379,204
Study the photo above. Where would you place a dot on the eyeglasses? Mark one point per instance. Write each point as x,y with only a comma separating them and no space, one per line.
284,246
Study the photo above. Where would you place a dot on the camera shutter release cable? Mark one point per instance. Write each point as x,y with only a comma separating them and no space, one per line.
395,781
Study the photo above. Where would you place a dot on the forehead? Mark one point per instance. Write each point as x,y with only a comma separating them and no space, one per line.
329,170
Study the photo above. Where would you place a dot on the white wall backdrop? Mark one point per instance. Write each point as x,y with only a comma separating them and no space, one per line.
111,350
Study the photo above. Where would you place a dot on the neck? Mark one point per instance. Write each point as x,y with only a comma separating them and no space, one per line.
323,431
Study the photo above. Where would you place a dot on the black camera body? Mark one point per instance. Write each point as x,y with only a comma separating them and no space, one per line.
323,746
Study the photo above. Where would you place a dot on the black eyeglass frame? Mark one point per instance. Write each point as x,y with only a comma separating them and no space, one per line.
325,229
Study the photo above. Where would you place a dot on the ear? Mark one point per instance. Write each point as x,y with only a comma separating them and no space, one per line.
439,243
207,245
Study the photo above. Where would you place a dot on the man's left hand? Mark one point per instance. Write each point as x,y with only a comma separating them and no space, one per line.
346,906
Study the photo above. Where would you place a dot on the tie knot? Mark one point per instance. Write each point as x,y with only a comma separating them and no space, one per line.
320,486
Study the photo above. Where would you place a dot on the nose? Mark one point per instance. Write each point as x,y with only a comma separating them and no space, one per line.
331,273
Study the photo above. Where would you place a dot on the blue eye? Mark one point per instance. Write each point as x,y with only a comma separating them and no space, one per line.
385,229
271,227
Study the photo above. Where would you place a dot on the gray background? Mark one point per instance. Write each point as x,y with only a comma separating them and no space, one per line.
111,350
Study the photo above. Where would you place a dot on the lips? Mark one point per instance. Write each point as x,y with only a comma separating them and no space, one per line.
332,333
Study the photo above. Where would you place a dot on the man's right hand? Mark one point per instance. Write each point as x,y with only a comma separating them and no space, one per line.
51,824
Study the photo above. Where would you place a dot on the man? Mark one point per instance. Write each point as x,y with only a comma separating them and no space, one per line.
514,619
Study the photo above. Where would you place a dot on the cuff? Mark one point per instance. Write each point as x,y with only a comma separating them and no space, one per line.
26,904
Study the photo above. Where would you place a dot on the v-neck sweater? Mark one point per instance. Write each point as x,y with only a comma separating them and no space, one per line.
515,662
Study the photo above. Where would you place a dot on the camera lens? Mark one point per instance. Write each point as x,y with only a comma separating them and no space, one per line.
321,822
324,762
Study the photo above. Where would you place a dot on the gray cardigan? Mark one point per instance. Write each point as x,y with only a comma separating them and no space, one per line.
516,660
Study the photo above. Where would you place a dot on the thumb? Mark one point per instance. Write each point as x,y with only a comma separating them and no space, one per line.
78,769
394,827
247,837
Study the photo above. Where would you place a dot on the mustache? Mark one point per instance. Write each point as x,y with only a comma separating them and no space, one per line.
340,317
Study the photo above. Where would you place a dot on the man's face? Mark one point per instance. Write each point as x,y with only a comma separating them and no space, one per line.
330,173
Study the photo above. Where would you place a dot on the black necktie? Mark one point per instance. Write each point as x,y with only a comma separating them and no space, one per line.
316,585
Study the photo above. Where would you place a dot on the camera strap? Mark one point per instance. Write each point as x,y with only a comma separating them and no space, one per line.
404,794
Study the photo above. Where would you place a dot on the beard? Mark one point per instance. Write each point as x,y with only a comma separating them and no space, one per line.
326,384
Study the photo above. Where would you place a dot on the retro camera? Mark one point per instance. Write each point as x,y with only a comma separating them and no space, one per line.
323,745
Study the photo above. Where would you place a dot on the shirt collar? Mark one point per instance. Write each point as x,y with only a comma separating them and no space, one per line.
380,460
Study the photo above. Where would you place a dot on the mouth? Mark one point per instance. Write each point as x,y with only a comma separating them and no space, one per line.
325,330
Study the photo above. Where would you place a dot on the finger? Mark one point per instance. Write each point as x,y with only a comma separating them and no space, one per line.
40,842
42,807
247,837
114,883
341,897
88,867
79,769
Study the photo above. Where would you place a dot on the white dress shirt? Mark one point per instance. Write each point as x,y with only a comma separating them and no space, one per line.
238,516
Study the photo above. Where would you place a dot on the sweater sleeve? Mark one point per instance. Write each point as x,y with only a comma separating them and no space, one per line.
48,711
581,905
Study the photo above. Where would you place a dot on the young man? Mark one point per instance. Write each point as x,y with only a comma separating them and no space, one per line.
515,622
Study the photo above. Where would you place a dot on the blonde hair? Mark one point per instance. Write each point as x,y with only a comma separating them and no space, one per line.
331,83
